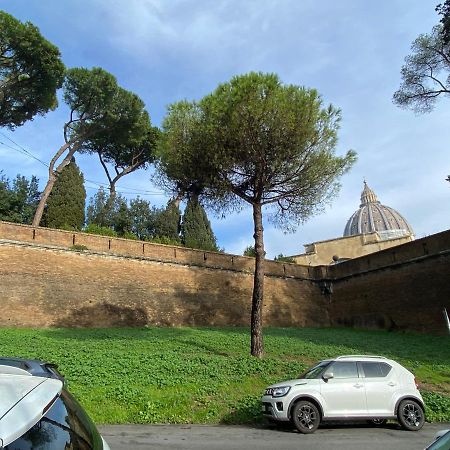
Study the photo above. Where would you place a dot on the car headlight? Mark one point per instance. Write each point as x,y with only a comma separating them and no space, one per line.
280,391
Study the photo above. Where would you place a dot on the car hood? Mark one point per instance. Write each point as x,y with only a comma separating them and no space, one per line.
296,382
23,399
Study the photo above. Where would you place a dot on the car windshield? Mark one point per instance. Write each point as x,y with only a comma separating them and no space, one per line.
315,371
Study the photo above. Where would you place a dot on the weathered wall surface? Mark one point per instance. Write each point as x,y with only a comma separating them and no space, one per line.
139,249
47,287
403,288
129,283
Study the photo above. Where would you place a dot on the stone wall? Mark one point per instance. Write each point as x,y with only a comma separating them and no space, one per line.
51,286
139,249
130,283
401,288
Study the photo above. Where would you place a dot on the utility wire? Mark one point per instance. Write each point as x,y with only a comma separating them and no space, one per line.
97,184
21,149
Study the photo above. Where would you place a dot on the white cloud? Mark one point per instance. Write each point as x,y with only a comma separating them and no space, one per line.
350,50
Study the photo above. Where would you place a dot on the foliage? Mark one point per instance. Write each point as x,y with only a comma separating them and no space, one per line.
125,157
437,407
109,214
255,140
250,251
444,11
196,231
31,71
93,228
138,220
121,220
167,222
78,248
165,240
19,199
129,235
143,218
282,258
97,213
99,109
205,375
66,203
425,74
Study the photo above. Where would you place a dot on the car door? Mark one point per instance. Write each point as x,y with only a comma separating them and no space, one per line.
344,394
380,385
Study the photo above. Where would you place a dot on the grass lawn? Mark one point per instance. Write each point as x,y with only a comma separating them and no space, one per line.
205,375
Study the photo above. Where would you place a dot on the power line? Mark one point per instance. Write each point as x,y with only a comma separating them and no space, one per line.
122,190
21,149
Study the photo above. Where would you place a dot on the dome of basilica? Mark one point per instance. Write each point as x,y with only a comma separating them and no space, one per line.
373,216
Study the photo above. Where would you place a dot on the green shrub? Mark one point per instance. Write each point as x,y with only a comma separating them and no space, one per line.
97,229
128,235
165,240
78,248
437,407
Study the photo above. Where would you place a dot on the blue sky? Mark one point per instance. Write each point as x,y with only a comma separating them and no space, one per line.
351,51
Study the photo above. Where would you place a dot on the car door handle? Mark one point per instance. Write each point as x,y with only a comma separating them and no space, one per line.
391,384
357,385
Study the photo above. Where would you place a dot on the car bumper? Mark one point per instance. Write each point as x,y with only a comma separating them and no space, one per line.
274,408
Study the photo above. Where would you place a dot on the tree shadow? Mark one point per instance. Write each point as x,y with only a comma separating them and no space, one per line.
103,315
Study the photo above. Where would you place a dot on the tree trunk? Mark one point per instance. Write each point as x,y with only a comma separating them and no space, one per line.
112,197
257,345
52,176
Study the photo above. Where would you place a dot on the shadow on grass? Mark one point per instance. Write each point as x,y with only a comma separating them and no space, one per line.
323,342
397,344
135,333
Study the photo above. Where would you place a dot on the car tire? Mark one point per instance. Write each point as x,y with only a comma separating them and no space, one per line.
377,422
410,415
305,417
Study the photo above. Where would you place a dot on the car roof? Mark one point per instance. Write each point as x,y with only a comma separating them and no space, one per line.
32,366
24,400
361,358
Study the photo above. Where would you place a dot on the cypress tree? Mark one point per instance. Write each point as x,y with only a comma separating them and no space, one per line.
65,205
167,223
196,229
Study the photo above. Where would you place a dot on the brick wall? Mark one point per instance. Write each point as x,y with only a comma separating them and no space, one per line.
140,249
131,283
49,287
401,288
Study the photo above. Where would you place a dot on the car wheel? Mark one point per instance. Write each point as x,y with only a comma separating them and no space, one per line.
410,415
377,422
306,417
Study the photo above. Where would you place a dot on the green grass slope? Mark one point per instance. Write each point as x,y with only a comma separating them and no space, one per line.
205,375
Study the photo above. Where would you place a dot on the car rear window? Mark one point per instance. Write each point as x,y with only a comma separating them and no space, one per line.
65,425
375,369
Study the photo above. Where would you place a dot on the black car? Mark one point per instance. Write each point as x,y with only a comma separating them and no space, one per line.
37,412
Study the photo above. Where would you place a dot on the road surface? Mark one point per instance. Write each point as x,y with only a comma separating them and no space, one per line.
204,437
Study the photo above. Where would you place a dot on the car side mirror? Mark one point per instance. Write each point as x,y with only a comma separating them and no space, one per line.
327,375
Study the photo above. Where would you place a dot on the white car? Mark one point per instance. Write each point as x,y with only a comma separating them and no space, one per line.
38,412
347,388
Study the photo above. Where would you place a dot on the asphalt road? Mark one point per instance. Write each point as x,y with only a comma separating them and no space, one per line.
204,437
